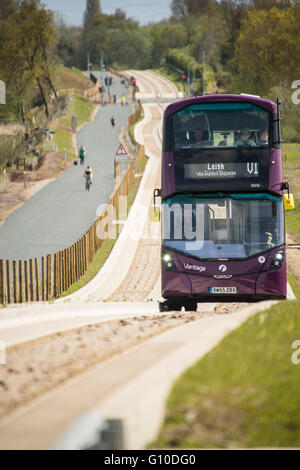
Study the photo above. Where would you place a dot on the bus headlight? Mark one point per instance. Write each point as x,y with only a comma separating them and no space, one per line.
168,262
277,260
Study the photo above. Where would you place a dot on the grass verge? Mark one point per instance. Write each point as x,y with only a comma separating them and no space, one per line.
82,109
245,392
67,78
291,171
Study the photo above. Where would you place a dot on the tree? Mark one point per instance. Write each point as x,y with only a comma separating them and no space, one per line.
267,50
92,8
129,49
27,35
184,8
164,37
6,7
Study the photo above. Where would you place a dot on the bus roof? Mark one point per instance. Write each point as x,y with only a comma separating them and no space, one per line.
266,104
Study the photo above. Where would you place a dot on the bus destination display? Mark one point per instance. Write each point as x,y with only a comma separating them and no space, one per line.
222,170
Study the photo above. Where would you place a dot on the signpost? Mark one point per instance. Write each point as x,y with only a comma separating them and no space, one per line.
49,132
2,92
122,157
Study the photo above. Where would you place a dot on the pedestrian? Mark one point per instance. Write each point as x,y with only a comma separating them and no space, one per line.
113,122
82,153
115,98
122,100
88,175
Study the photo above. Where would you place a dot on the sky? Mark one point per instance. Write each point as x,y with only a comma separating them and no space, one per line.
144,11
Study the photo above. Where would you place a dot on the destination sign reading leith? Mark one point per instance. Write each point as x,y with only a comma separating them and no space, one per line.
222,170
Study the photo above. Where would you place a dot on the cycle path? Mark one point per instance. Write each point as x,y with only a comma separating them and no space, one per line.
59,214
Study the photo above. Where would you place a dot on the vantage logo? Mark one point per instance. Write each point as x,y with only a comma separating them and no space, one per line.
194,267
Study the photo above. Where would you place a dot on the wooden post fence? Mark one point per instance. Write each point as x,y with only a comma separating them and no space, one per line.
70,264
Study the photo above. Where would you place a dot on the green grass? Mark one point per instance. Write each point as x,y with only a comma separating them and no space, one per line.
244,393
95,266
79,107
63,139
291,172
67,78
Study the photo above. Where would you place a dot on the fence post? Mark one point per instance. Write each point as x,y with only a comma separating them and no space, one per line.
2,287
26,281
8,281
43,280
31,280
68,268
15,282
73,263
87,257
21,296
37,280
49,287
82,255
55,275
79,259
60,273
76,262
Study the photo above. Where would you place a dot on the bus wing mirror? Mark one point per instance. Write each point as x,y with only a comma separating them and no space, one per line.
288,201
155,211
155,214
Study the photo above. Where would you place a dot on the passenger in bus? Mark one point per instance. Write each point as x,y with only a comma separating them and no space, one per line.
262,137
223,142
201,138
244,139
270,240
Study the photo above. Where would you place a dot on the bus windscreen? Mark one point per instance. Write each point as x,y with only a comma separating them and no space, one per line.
235,226
224,124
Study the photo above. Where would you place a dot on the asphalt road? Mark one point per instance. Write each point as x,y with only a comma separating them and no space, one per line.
59,214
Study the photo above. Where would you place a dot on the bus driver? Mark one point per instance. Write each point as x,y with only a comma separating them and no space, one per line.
244,139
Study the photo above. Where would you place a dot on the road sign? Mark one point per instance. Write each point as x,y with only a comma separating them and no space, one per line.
121,150
123,159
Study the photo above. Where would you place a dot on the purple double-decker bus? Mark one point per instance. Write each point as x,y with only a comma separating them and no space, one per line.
223,236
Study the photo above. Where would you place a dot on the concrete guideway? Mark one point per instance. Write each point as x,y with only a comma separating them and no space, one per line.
37,321
134,385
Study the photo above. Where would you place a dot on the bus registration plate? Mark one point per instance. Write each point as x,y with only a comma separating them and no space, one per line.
222,290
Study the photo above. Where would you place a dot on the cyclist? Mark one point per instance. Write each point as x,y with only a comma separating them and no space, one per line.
88,175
